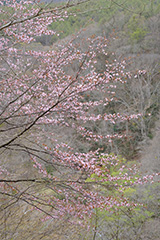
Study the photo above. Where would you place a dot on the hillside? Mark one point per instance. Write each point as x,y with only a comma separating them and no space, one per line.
47,169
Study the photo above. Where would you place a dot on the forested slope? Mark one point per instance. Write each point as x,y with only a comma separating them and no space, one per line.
62,151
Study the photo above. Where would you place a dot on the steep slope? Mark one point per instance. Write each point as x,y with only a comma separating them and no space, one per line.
150,158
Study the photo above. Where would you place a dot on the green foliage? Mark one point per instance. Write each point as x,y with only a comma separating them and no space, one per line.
68,27
119,222
136,28
138,34
101,12
129,191
124,223
117,168
50,169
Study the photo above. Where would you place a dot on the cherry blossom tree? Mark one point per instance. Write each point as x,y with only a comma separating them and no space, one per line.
42,98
